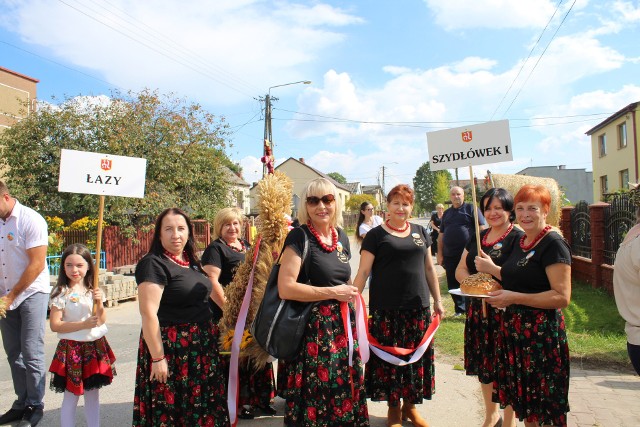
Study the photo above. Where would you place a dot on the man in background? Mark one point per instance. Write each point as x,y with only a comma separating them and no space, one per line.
456,227
24,288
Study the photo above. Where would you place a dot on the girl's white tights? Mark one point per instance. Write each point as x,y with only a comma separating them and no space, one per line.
91,408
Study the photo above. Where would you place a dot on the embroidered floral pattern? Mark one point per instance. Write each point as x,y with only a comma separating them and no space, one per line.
414,382
195,393
317,385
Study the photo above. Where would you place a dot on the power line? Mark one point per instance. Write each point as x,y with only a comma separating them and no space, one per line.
62,65
527,59
539,58
158,50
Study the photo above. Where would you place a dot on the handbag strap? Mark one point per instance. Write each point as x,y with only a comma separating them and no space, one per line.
305,252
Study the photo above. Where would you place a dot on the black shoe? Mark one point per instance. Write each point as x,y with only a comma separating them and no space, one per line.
11,415
246,413
268,409
31,417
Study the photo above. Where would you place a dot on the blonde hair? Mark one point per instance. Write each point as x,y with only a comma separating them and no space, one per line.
225,216
320,186
439,205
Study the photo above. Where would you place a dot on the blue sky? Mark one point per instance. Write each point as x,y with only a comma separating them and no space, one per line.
384,72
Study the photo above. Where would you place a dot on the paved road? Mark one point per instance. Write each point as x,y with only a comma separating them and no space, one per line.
597,398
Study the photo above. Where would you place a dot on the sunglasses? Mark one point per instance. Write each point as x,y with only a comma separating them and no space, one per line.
326,199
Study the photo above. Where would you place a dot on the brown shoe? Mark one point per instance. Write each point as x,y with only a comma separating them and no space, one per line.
409,411
394,416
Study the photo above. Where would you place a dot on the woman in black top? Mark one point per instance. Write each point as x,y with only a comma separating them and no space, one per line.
436,220
319,385
532,354
403,277
179,380
481,330
220,261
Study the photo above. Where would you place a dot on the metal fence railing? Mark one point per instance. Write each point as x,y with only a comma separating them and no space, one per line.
53,261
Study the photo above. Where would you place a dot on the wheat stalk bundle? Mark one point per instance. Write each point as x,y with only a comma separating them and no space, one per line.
274,207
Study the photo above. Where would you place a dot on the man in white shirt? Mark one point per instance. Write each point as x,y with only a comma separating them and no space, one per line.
24,286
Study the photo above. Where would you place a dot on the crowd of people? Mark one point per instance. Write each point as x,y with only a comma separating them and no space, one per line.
515,341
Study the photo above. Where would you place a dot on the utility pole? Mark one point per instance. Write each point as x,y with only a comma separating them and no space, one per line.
268,142
268,158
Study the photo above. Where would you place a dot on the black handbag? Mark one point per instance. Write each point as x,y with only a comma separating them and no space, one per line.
279,324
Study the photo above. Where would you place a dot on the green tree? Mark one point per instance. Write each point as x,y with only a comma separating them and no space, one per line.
354,202
442,186
338,177
430,187
183,145
423,187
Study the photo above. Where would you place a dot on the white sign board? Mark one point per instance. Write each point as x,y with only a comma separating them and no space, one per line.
102,174
470,145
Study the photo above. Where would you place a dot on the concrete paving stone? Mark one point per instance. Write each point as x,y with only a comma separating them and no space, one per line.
586,419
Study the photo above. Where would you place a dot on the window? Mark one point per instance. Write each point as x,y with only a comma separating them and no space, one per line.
624,178
602,143
604,185
622,135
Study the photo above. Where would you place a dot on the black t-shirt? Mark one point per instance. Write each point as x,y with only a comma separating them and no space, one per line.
498,252
325,268
457,226
436,221
524,271
185,298
219,254
398,277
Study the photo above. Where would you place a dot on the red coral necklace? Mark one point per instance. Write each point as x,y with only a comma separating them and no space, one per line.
177,260
242,249
500,239
334,235
399,230
536,240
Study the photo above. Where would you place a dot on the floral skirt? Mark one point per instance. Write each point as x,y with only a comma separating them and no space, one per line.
257,388
532,372
195,392
319,387
387,382
78,366
479,340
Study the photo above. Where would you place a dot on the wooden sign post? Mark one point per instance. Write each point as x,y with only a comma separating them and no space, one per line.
467,146
101,174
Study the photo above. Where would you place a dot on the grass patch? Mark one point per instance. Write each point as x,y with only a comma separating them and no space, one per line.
594,328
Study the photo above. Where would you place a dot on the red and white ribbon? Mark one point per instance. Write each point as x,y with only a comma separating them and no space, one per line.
389,353
232,386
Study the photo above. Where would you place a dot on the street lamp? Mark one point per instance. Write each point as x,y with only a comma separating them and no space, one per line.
267,151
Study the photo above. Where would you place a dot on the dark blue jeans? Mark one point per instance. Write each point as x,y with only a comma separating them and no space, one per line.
450,264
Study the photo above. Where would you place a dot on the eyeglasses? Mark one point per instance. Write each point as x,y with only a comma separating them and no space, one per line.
369,209
326,199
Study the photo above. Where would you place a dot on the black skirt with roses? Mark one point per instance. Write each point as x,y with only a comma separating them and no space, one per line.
195,392
480,340
319,387
387,382
532,365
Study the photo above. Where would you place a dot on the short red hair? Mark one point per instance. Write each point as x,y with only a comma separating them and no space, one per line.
534,193
403,191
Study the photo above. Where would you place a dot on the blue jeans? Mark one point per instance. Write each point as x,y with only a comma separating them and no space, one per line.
23,340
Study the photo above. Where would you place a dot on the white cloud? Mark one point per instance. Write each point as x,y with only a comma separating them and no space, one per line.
629,12
251,169
219,52
496,14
